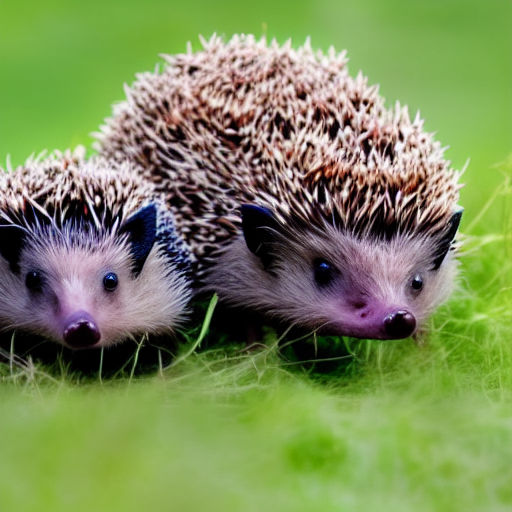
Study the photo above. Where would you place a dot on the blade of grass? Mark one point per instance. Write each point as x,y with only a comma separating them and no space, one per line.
136,357
202,333
100,369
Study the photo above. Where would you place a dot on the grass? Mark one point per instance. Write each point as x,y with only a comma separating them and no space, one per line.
393,427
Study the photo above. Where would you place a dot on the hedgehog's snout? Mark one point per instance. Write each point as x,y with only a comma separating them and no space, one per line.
81,331
399,324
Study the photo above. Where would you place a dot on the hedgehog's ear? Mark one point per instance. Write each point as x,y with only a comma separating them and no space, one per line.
141,231
12,240
259,227
446,240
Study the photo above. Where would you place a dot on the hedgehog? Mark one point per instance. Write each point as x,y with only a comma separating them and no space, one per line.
89,253
299,193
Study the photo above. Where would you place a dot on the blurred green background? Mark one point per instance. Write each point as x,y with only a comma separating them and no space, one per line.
402,428
63,63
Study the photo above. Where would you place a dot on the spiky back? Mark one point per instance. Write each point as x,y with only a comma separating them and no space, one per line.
244,121
64,186
82,202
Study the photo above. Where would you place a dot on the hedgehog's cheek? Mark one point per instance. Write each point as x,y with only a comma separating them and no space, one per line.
80,331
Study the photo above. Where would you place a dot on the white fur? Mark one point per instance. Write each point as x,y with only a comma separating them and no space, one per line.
152,302
374,278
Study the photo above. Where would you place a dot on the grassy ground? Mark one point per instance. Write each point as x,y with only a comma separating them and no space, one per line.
398,427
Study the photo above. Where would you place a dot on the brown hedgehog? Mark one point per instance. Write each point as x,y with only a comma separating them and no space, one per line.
90,253
298,192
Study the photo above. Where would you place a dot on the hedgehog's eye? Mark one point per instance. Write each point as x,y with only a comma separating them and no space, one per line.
110,281
34,281
417,283
324,272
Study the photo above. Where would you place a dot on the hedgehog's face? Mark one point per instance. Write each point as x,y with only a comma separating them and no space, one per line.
326,279
85,290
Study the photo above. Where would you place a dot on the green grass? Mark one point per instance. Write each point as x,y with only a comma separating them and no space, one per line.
394,427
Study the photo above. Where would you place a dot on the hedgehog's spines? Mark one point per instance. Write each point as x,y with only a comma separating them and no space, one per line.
286,129
48,187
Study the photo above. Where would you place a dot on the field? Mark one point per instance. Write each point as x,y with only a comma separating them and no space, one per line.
393,426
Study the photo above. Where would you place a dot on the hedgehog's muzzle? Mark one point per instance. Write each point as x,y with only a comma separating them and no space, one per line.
81,331
373,322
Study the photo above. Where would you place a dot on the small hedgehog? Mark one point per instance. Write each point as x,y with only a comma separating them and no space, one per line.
299,193
90,253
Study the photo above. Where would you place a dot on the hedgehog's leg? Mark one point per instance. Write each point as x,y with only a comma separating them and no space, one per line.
241,325
253,335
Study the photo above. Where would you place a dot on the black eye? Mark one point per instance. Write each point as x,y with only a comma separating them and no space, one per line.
34,281
417,283
110,282
324,272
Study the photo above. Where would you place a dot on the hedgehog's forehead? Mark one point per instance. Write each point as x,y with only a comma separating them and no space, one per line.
364,252
73,237
65,257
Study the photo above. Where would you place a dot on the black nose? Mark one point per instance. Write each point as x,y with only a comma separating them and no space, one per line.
82,333
399,324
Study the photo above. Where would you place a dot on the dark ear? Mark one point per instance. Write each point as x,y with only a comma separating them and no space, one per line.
259,226
12,239
447,239
141,231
